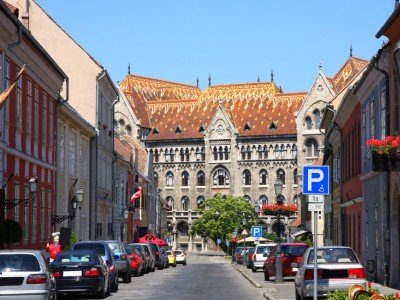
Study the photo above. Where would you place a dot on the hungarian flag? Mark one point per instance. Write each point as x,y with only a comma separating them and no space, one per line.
4,95
136,196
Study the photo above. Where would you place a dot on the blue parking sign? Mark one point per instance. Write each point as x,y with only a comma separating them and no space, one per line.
256,231
316,180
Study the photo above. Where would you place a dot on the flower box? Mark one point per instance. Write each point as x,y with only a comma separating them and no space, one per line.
385,153
279,209
380,162
394,162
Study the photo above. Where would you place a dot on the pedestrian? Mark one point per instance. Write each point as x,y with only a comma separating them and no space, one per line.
54,247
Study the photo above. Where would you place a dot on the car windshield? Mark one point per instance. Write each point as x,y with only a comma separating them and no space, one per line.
138,248
333,255
75,257
264,249
18,262
294,250
99,248
116,247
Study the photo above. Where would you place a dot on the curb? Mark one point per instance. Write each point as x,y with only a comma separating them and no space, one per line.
252,281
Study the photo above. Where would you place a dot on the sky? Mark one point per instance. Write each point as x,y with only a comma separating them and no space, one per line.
233,41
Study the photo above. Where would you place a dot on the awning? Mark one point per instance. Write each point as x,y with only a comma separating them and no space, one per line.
251,239
301,232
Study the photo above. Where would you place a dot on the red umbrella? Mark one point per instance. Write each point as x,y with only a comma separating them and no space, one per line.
152,240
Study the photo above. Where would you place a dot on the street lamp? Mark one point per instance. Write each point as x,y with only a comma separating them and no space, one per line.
278,263
11,203
244,233
77,199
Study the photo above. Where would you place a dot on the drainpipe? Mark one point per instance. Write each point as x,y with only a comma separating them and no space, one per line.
19,40
114,159
388,230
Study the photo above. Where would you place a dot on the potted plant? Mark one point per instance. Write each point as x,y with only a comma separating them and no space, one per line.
393,144
385,153
279,209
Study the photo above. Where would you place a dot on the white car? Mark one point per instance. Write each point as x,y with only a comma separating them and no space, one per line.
260,255
24,275
180,257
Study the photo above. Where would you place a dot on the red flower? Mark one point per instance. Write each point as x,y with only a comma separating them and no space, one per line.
276,209
390,145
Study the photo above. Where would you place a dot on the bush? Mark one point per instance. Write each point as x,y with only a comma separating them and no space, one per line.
72,240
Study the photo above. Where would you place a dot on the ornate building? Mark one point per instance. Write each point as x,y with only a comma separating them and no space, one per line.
230,139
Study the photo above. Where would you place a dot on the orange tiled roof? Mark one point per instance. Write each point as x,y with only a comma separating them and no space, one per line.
12,8
141,160
186,107
122,149
347,72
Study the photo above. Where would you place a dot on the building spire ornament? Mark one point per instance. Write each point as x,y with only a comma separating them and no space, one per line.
320,66
197,82
258,78
209,80
129,69
351,50
272,75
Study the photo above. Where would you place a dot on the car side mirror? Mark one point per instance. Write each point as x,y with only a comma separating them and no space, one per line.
116,256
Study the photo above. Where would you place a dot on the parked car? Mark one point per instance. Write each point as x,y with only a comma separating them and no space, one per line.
180,257
136,260
106,254
238,256
157,258
171,258
261,253
150,255
145,257
80,271
338,268
250,253
164,258
290,253
24,275
121,257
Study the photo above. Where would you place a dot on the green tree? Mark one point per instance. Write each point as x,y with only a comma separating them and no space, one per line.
10,232
220,215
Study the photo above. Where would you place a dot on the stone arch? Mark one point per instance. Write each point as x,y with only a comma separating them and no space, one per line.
220,176
182,228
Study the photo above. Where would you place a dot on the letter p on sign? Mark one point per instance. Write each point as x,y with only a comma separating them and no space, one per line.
316,180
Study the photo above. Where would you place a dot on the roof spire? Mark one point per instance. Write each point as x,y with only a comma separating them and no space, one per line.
129,69
258,78
209,80
320,66
197,81
396,3
351,50
272,75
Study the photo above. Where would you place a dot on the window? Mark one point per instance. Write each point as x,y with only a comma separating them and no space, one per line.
308,123
185,203
26,214
169,179
246,177
182,155
201,178
128,130
19,101
170,202
294,151
262,152
243,152
226,152
45,118
187,154
383,114
317,118
215,153
281,175
221,177
156,179
249,152
263,200
372,119
51,124
311,148
42,213
295,201
62,148
36,113
156,156
200,200
16,207
247,198
72,155
295,176
185,178
263,177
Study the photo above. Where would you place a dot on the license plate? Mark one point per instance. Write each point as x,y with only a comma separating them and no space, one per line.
295,269
72,273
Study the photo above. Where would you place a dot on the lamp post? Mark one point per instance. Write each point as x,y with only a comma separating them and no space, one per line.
77,199
126,215
11,203
244,233
278,263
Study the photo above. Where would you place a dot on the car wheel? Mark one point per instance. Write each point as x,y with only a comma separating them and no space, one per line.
253,268
102,293
114,285
266,275
184,263
174,265
127,276
297,294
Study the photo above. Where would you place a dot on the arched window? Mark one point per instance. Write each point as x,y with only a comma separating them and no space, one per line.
308,123
246,177
200,200
295,176
311,148
215,153
281,175
294,151
185,178
156,179
170,202
247,197
185,203
182,155
169,179
221,177
295,201
317,118
156,156
187,154
226,152
183,229
263,200
128,129
263,177
201,178
243,152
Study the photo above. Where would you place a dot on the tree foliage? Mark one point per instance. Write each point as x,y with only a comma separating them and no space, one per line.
221,215
10,232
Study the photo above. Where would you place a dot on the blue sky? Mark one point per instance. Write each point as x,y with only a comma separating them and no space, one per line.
233,40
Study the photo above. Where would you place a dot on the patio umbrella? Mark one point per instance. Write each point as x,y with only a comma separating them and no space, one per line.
153,240
251,239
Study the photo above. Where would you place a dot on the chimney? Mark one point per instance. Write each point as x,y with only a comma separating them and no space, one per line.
25,14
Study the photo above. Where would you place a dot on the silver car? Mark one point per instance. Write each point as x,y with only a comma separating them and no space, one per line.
338,268
24,275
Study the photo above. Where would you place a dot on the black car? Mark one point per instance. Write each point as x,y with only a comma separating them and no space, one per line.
158,260
80,271
106,254
121,257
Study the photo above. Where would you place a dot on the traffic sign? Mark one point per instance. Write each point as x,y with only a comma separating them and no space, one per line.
315,206
315,198
219,241
227,243
316,180
256,231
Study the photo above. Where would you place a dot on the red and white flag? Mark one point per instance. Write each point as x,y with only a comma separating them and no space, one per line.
136,196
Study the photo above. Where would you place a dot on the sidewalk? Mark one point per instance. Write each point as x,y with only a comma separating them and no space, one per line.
285,291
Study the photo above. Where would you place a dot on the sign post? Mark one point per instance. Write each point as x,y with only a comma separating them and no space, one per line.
315,185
